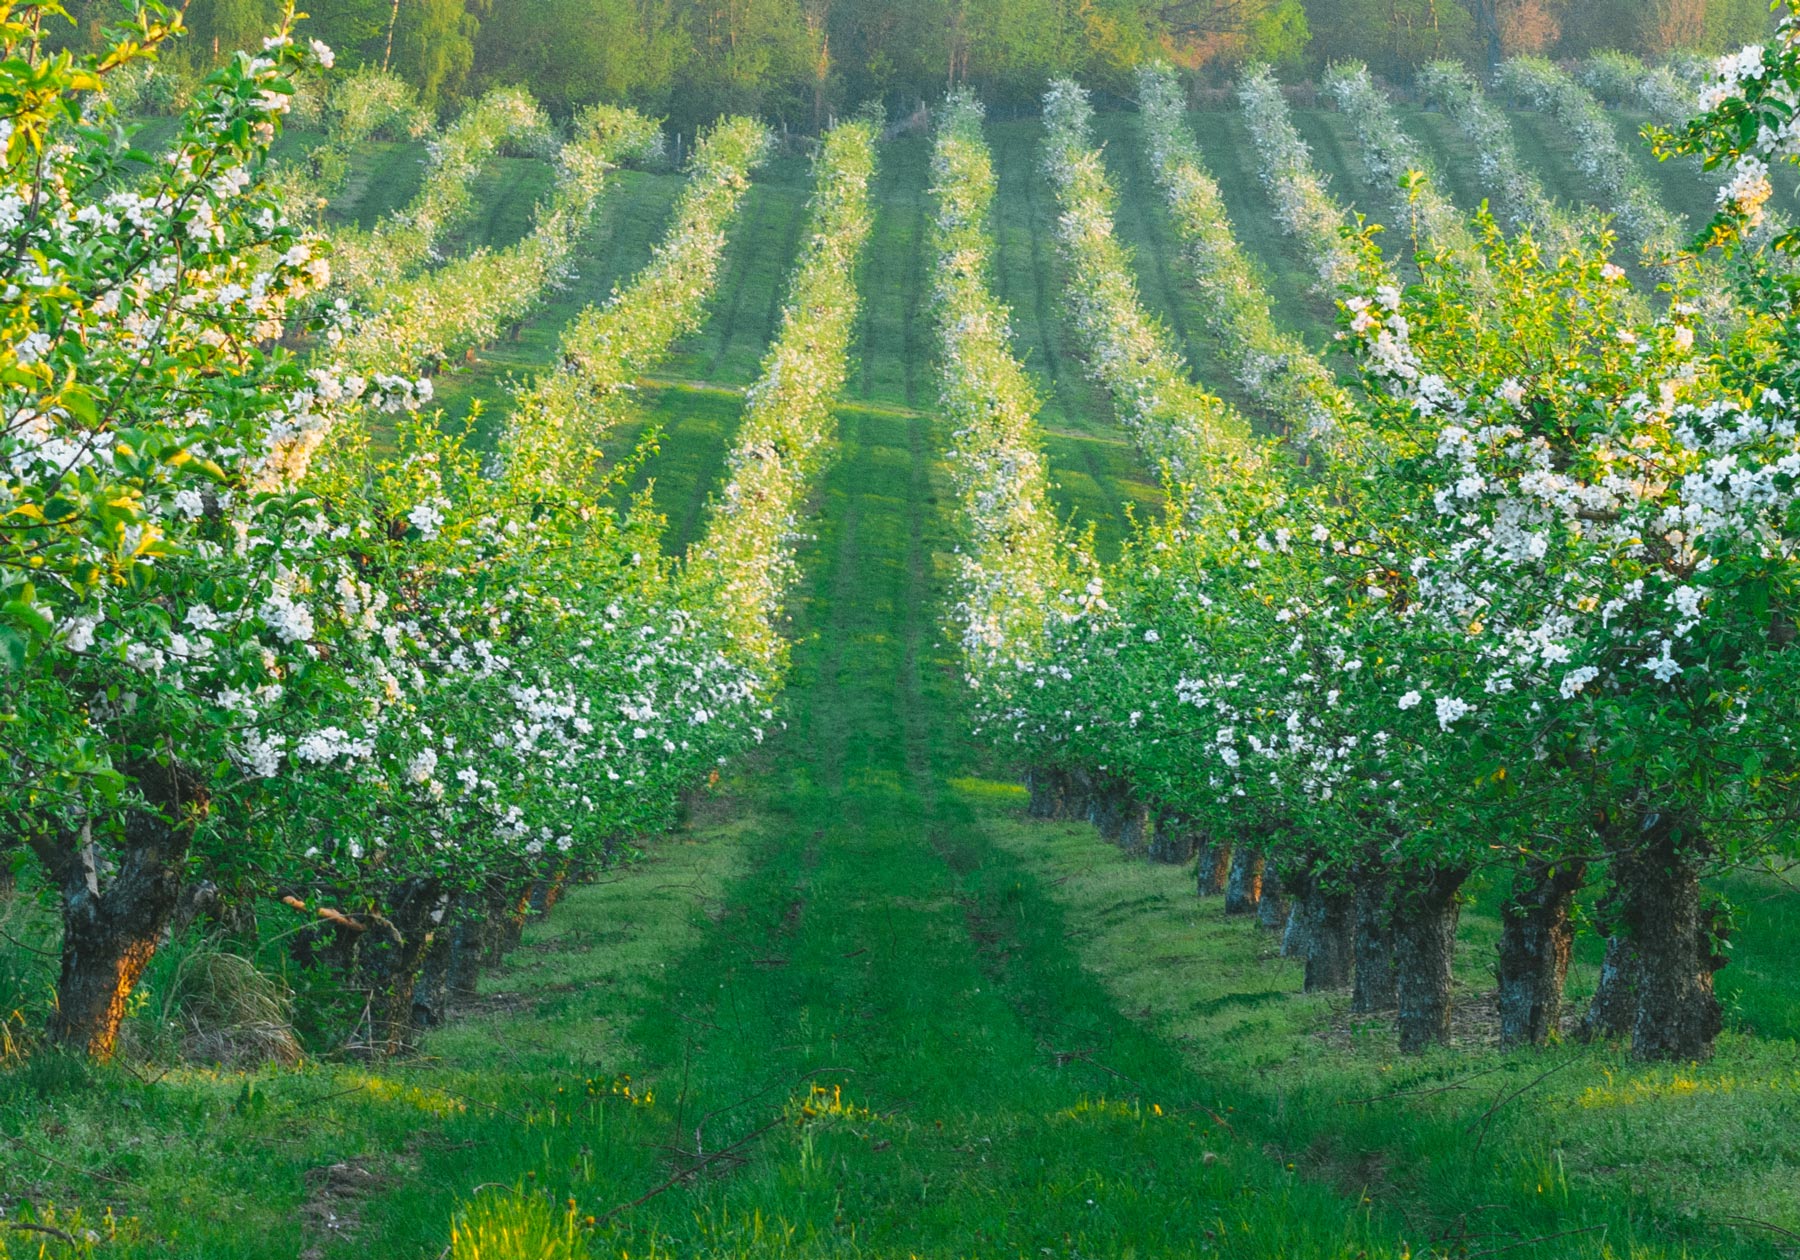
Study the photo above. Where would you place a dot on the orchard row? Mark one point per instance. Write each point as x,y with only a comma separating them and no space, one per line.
1520,598
271,633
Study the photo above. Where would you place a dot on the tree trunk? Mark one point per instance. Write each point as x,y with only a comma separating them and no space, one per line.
1319,932
1049,790
1537,936
1677,1016
1297,889
1272,907
1425,915
1078,801
110,934
1243,886
547,891
1113,812
1135,825
463,967
431,995
1610,1012
388,963
1374,943
1174,842
1214,872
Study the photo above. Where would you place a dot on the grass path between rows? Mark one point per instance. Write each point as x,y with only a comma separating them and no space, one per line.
880,981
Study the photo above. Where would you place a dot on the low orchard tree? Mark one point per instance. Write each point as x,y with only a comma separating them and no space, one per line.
1606,549
155,555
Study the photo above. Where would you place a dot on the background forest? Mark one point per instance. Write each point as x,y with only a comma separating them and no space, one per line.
802,60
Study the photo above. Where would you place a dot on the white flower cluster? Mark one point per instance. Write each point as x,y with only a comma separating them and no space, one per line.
745,559
1012,569
1172,420
1277,367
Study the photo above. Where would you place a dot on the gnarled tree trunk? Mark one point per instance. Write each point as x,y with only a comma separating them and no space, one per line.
1214,870
1121,817
1136,826
1243,887
463,966
1373,942
1296,885
1048,790
1272,907
111,932
1174,841
1676,1014
1425,916
1319,929
392,952
1078,801
1614,1004
1537,935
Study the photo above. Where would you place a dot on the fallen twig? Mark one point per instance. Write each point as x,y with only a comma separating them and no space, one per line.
58,1234
1774,1229
1528,1242
693,1168
1487,1117
1417,1093
51,1159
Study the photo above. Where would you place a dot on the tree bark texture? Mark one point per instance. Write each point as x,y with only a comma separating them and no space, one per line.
1175,841
1214,871
1272,907
388,963
1243,887
111,932
1122,818
1320,928
463,967
1537,937
1297,887
1048,792
1614,1004
1373,944
1425,915
1676,1015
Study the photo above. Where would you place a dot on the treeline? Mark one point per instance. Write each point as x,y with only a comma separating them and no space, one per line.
802,61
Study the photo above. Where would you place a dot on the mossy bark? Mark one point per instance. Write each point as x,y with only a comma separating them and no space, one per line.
1537,938
1243,887
1426,911
1373,942
1213,873
115,913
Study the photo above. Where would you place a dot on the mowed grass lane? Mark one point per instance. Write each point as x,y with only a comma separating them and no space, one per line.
882,1034
910,1022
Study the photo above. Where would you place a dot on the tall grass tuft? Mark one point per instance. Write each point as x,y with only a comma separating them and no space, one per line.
513,1225
211,1005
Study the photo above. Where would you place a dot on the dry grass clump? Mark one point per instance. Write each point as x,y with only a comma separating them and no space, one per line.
219,1008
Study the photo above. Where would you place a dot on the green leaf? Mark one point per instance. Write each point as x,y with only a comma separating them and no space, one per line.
12,648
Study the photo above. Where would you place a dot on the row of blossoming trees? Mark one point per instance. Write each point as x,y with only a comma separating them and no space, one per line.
1522,599
268,631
